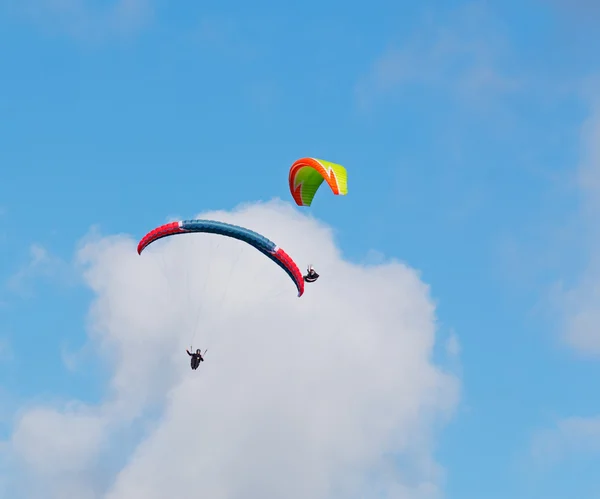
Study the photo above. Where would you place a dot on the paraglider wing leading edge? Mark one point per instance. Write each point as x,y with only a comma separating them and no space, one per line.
261,243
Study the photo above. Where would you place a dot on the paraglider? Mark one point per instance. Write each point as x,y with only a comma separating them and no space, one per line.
261,243
311,275
307,174
196,358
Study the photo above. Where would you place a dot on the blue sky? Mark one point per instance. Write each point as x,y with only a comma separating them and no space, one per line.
460,124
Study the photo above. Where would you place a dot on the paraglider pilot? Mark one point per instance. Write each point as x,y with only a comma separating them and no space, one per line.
196,358
311,275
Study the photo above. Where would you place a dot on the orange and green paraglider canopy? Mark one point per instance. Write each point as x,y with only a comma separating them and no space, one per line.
307,175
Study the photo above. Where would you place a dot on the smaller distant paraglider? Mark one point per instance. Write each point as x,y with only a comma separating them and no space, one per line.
307,175
196,358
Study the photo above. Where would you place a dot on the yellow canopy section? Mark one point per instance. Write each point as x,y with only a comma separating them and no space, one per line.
307,175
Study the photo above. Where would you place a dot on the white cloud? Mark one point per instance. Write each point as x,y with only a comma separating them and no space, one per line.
330,395
43,434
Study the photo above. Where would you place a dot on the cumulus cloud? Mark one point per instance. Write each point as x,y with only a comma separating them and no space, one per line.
59,449
334,394
462,54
